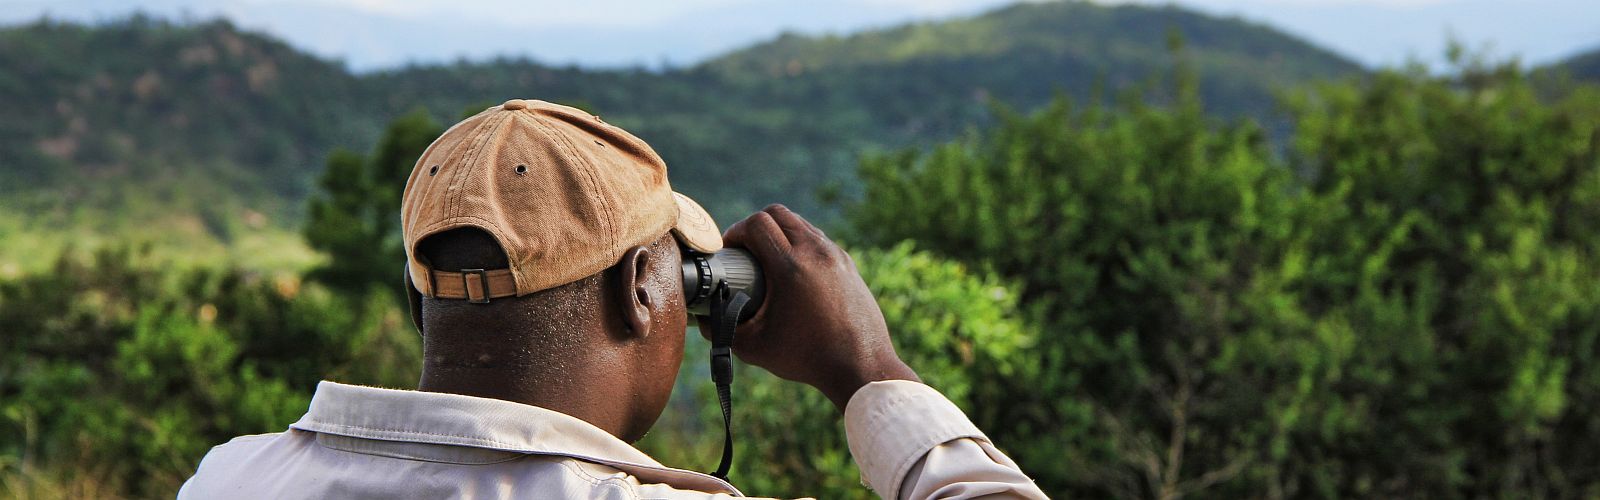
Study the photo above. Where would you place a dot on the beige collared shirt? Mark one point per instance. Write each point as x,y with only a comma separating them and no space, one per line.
365,442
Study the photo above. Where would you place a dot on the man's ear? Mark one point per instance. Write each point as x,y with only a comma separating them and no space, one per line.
633,293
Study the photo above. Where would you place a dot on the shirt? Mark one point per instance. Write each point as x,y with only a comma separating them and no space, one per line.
365,442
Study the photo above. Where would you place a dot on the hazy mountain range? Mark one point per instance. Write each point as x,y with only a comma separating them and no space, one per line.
147,129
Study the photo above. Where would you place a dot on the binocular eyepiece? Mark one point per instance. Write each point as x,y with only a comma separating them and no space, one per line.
737,267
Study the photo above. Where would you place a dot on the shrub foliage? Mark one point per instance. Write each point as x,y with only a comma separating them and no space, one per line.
1400,302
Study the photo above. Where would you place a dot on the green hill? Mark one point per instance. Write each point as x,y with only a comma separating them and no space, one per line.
202,133
87,100
778,119
1026,52
200,136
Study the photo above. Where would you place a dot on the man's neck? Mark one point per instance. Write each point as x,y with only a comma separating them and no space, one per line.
592,401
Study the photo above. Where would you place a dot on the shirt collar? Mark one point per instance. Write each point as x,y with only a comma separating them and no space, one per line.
454,419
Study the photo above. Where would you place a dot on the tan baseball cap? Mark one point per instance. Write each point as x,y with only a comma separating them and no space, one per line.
564,193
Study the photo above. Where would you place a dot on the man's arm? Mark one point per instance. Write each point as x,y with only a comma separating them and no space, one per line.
911,442
820,326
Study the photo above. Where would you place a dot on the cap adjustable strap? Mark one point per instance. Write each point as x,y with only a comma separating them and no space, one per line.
475,285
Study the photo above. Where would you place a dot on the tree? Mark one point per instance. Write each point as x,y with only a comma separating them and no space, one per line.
354,218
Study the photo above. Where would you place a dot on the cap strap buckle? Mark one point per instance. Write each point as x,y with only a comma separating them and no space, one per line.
476,283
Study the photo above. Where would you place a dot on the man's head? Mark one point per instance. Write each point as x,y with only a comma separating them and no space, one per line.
616,332
543,255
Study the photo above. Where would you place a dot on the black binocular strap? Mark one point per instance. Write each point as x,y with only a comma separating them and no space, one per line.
725,317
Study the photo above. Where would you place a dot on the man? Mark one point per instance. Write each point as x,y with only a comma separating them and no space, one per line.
543,252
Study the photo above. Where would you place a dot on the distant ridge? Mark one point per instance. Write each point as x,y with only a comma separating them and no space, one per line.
928,79
119,119
1066,29
1584,66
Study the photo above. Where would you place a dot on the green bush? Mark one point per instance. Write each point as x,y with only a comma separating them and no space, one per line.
1403,303
125,372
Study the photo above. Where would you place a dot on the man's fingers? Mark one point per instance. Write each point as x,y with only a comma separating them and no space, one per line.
759,234
797,228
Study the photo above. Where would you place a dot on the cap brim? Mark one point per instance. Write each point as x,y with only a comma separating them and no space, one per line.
695,229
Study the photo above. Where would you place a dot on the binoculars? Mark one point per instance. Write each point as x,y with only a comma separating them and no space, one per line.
727,288
702,273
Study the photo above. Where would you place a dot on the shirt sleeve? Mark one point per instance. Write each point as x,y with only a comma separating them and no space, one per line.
912,442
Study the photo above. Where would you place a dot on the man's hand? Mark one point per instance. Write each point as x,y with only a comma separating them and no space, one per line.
819,324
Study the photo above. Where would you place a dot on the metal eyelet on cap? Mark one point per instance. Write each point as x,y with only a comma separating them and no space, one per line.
433,171
522,169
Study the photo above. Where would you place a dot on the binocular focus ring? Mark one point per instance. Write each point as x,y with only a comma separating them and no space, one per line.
702,272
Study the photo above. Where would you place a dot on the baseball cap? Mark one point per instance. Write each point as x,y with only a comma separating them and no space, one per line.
563,193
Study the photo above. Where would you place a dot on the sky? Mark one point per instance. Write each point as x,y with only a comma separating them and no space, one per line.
376,34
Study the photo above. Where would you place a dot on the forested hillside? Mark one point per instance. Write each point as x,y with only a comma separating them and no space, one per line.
200,137
130,96
780,119
1025,53
212,134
